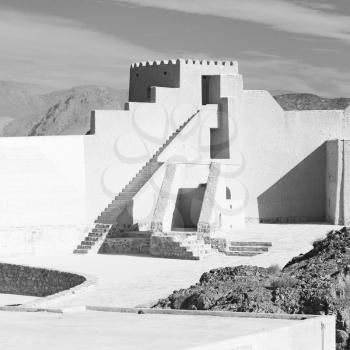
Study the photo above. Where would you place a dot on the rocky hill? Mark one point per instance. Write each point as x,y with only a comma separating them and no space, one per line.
61,112
71,113
300,102
317,282
19,99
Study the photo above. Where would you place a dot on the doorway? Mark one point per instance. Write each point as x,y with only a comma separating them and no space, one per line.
210,89
188,207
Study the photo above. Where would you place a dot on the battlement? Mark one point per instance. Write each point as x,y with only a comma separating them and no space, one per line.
181,61
184,74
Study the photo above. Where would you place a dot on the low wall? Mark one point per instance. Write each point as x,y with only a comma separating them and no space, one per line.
26,280
126,244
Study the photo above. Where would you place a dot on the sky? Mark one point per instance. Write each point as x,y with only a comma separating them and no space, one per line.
280,45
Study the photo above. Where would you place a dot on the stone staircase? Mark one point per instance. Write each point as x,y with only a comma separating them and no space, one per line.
247,248
97,234
114,209
179,246
110,215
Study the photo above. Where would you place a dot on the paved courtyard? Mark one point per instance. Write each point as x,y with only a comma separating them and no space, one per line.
134,280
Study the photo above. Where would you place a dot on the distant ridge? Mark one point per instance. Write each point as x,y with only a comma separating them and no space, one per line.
64,112
301,102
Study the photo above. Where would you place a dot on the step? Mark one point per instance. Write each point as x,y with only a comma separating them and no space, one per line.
95,235
102,226
237,253
84,246
80,251
88,242
131,187
263,244
200,253
119,201
127,195
99,229
248,249
193,246
91,238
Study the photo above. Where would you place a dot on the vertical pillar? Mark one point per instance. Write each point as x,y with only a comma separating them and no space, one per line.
346,182
163,199
338,182
205,224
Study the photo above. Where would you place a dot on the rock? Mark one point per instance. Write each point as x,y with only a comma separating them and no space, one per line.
341,339
317,282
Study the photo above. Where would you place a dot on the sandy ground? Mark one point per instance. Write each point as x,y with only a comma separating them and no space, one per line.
13,299
135,280
109,330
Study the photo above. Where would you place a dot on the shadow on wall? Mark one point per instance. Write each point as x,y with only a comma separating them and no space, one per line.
300,195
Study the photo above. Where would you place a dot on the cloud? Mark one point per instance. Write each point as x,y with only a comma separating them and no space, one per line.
314,19
60,53
292,75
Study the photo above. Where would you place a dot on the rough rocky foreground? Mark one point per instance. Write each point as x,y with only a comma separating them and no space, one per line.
317,282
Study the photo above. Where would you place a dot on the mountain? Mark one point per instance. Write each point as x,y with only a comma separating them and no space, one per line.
64,112
300,102
20,99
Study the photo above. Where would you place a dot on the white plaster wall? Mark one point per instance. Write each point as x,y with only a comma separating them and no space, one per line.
193,142
145,200
229,214
191,72
283,156
42,181
123,142
168,97
313,333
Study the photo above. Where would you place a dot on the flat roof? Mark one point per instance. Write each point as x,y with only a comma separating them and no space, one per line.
123,331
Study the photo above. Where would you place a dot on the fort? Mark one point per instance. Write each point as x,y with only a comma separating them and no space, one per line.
191,159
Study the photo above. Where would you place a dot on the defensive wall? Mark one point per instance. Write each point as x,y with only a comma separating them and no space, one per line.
285,158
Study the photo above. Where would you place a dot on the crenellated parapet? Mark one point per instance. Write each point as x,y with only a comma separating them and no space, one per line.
184,74
182,61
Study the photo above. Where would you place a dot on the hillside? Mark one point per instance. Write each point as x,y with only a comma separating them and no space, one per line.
316,283
64,112
19,99
300,102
